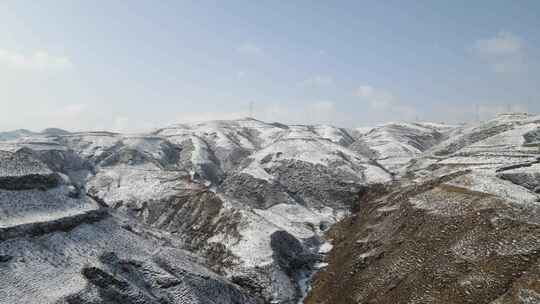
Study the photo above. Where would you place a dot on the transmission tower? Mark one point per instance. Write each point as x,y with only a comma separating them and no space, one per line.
251,106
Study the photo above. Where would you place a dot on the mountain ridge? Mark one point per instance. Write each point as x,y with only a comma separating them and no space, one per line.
230,191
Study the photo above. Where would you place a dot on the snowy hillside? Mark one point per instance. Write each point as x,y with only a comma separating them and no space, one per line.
461,225
222,189
253,201
395,144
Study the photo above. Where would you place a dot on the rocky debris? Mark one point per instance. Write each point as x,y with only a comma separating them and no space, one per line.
523,290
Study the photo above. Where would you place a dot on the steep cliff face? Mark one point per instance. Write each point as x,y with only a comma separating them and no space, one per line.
462,226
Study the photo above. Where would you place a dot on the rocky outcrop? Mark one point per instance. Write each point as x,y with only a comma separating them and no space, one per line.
290,254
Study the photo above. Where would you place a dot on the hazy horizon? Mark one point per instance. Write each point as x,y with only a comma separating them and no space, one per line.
135,65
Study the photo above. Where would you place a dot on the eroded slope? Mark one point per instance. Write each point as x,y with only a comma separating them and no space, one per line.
462,226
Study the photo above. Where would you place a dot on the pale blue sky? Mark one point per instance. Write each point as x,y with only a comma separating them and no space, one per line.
133,65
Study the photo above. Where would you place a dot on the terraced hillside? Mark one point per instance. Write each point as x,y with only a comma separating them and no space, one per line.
230,192
243,211
462,226
58,245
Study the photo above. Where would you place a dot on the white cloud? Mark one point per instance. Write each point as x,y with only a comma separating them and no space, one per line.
504,52
249,48
317,81
377,98
40,60
384,101
502,44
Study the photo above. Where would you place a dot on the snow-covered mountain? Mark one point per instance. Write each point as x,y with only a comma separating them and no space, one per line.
462,225
395,144
227,191
224,211
58,245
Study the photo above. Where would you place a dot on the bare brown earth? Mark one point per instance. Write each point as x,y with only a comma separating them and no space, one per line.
464,247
